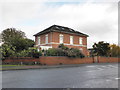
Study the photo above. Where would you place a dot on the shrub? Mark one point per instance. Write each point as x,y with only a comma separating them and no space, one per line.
28,63
74,52
63,47
55,52
23,53
33,52
7,50
64,51
50,52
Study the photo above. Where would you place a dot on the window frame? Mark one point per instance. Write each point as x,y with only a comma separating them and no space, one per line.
46,38
61,38
80,40
39,41
71,40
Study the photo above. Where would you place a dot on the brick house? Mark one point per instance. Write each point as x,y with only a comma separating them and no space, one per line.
54,35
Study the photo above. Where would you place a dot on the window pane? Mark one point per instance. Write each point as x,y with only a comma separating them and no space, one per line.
46,38
80,40
38,40
71,39
61,38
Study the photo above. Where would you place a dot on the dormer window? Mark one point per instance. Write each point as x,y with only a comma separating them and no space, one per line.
57,27
62,28
61,38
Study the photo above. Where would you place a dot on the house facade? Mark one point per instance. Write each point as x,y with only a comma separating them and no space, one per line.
55,35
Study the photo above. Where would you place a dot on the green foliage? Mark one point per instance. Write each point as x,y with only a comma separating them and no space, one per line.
51,52
16,39
63,47
7,50
11,33
64,51
73,52
55,52
31,52
21,44
101,48
114,50
23,53
17,45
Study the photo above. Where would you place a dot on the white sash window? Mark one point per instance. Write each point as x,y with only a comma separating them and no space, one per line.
61,38
46,38
81,40
71,39
38,40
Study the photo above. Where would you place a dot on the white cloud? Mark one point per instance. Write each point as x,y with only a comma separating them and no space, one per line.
98,20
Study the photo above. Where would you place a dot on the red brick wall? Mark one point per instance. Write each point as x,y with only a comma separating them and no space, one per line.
108,59
55,38
64,60
22,60
42,38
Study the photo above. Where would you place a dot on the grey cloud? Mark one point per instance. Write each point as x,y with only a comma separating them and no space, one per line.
99,21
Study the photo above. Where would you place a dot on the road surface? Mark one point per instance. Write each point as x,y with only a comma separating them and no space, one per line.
85,76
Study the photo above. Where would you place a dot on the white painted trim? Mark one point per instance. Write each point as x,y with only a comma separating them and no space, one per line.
64,44
45,47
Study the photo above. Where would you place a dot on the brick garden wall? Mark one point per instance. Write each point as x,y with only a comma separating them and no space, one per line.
64,60
8,60
108,59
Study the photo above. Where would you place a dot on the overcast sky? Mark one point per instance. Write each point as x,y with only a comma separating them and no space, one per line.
97,18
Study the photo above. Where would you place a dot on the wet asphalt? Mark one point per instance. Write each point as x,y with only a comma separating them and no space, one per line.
103,75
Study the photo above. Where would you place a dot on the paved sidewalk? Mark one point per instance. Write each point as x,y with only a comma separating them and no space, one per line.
24,67
4,68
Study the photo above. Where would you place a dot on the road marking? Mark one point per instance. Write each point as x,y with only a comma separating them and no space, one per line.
103,66
112,66
108,80
117,78
100,69
91,71
90,66
97,69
